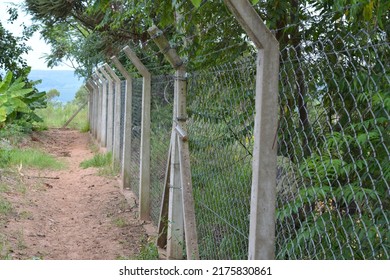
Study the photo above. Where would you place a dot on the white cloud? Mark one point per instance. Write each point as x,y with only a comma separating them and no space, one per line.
39,47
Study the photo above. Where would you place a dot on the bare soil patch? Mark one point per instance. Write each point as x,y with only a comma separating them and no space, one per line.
72,213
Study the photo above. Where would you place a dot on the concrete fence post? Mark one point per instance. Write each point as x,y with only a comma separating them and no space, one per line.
91,90
98,108
103,110
181,210
263,194
144,187
110,111
117,113
126,168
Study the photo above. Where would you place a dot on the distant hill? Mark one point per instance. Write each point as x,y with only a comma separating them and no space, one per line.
63,80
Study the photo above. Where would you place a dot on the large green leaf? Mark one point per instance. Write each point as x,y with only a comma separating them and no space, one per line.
4,84
3,115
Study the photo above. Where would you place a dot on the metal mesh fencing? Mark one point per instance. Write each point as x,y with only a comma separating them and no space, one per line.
221,110
333,164
136,114
333,156
161,128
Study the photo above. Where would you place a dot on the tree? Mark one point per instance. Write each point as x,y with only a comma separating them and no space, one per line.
12,48
18,95
81,95
51,94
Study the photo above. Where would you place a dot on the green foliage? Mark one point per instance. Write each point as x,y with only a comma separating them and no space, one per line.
51,94
11,95
18,100
345,197
196,3
81,95
13,48
15,132
149,251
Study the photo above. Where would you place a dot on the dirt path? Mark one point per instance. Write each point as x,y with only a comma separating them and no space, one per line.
78,216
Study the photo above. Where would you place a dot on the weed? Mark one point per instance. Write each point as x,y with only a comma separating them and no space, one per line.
148,251
4,188
109,171
26,215
5,206
21,243
85,128
120,222
4,248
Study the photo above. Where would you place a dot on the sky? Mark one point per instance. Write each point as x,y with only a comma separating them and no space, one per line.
39,48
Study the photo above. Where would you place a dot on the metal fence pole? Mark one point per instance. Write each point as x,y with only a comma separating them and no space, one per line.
263,197
117,113
181,214
144,188
110,110
127,123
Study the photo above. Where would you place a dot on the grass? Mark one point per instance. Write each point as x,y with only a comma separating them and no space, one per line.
4,248
148,251
56,114
4,188
5,207
104,163
120,222
33,158
98,160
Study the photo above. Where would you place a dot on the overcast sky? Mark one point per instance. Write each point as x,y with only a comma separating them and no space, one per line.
39,48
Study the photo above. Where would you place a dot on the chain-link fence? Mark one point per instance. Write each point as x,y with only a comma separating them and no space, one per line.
334,139
136,115
333,162
221,110
160,131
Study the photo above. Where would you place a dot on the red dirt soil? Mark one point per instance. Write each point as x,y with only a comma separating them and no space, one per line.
80,215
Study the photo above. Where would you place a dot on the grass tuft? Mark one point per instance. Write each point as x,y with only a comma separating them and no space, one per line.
5,206
104,163
34,158
148,251
99,160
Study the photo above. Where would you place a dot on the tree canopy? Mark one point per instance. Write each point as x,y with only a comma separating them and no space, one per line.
89,32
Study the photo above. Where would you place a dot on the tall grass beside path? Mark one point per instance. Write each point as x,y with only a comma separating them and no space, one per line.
56,114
